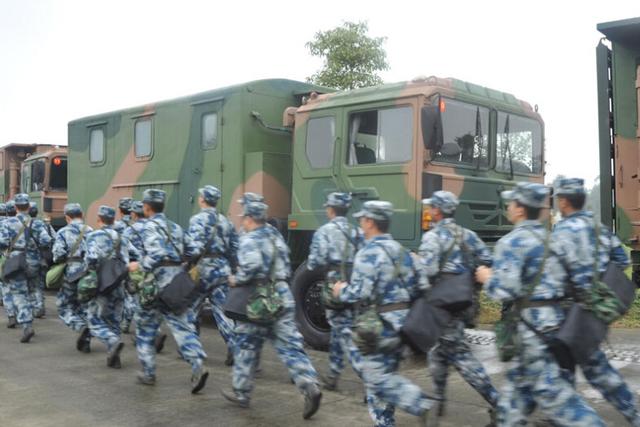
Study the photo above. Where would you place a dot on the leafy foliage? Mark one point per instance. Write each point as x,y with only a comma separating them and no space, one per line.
352,59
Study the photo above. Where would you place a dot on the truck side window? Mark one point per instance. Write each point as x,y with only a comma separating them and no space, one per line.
465,133
209,131
96,145
519,144
37,175
380,136
142,137
321,136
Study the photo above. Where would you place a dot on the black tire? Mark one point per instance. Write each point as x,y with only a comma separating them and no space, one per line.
310,313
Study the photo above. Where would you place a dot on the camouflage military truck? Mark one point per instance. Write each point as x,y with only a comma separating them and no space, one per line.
397,142
618,72
39,170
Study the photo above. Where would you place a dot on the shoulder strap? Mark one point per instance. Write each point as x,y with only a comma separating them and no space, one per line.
168,236
273,260
17,237
115,247
345,250
538,278
78,241
456,242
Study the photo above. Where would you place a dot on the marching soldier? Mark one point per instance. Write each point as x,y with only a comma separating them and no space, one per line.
69,247
526,268
576,232
22,242
124,209
263,255
104,311
211,243
130,226
162,259
36,282
7,298
450,248
333,249
384,275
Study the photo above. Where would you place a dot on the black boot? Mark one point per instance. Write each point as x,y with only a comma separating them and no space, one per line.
82,343
198,380
159,342
329,382
229,360
312,399
12,322
146,380
27,334
113,359
235,398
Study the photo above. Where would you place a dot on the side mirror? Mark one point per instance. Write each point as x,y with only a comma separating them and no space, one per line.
431,127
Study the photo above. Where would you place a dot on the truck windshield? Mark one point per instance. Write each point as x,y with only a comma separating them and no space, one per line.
58,174
519,145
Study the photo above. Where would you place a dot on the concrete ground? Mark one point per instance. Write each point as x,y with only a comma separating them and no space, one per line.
48,383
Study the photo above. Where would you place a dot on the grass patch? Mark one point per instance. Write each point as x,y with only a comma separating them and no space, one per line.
490,313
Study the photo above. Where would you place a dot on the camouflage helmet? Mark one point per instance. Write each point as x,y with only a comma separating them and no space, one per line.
3,208
137,207
255,210
210,194
154,195
446,201
72,209
251,197
529,194
338,200
106,212
11,207
566,186
33,209
21,199
376,209
124,204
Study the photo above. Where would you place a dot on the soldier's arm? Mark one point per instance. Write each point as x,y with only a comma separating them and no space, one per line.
92,254
429,252
574,250
5,235
125,248
193,238
505,283
232,250
153,248
44,239
617,253
59,248
479,249
317,251
250,261
363,278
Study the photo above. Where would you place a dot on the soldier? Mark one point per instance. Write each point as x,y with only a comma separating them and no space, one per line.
263,253
19,238
11,209
384,274
576,232
36,283
211,243
526,266
450,248
162,257
69,246
104,311
7,299
124,208
333,249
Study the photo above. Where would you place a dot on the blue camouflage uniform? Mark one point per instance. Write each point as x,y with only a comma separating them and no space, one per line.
463,249
124,205
37,279
576,232
162,257
255,257
133,234
374,281
104,311
535,378
213,242
329,248
31,240
70,311
7,299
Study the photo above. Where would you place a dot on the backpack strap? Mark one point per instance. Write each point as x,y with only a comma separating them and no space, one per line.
168,236
17,237
76,244
345,250
458,234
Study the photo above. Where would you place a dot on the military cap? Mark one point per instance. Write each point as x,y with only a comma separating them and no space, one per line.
33,208
528,193
105,211
21,199
72,209
375,209
136,207
11,207
255,210
125,203
446,201
153,195
251,197
338,200
3,208
568,186
210,194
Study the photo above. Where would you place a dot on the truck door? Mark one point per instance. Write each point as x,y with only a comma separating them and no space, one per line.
203,159
379,160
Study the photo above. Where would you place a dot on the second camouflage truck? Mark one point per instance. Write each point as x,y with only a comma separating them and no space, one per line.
295,143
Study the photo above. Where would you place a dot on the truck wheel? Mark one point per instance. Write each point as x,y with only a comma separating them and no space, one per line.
309,309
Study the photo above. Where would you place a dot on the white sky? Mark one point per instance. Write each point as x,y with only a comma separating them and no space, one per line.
60,60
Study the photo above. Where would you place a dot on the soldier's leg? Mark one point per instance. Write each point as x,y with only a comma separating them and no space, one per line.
7,299
289,345
336,345
187,340
147,326
472,370
69,310
36,294
248,342
19,289
128,311
224,324
99,309
439,367
515,402
381,412
116,310
608,381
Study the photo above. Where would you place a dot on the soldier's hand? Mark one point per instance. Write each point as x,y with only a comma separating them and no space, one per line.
134,266
337,287
483,274
232,281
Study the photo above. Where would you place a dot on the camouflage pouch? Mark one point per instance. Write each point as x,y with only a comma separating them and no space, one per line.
265,305
506,330
134,283
88,287
327,298
367,330
604,303
148,292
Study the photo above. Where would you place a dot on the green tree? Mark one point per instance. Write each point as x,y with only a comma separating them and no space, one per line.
351,58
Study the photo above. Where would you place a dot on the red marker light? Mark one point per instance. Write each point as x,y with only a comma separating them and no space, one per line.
443,106
57,161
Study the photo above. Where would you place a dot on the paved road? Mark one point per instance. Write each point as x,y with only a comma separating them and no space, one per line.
48,383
